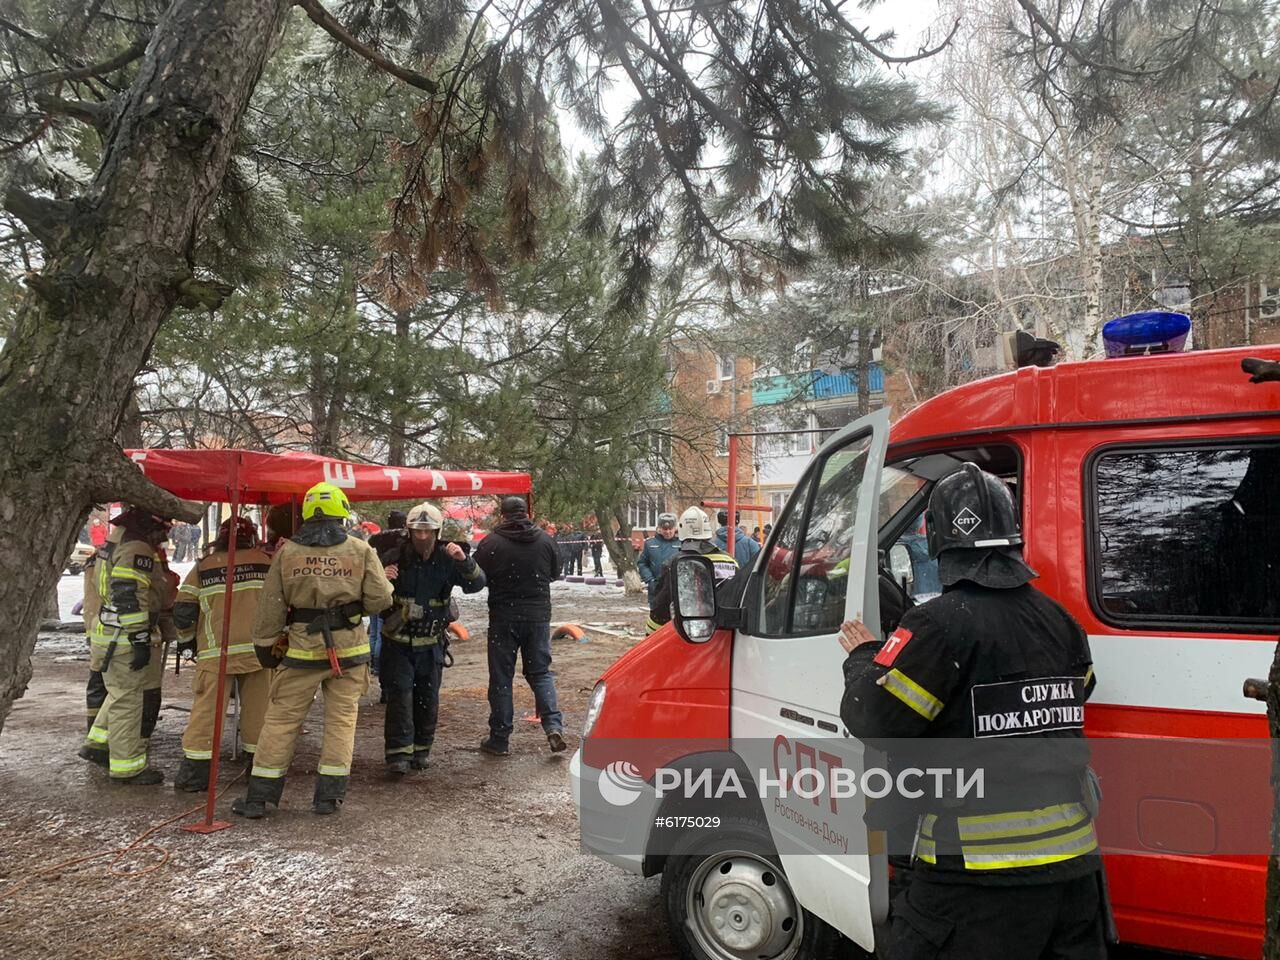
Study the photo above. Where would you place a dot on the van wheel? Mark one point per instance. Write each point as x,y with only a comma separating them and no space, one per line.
727,898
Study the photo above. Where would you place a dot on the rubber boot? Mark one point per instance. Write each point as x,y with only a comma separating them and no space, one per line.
100,757
330,792
398,767
262,790
193,775
149,776
421,760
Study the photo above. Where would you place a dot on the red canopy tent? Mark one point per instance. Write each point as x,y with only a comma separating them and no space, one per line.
247,476
278,477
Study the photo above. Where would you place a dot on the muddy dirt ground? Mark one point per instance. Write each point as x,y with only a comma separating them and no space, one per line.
475,858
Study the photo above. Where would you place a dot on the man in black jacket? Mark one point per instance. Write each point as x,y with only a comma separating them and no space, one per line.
519,562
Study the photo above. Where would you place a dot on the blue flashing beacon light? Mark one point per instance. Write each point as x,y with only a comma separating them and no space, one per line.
1151,331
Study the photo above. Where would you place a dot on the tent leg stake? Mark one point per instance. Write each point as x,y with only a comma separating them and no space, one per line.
212,826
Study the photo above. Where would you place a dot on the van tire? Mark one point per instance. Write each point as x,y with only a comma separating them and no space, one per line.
741,852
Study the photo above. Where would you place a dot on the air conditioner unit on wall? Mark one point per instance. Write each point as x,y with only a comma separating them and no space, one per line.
713,386
1268,303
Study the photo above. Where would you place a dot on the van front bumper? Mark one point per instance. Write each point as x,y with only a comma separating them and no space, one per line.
615,830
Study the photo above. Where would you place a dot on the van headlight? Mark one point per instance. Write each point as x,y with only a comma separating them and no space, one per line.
593,709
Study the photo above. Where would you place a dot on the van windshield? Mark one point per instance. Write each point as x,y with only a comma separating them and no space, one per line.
904,493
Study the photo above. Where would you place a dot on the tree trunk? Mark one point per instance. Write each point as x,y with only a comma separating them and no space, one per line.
130,433
51,611
620,550
117,262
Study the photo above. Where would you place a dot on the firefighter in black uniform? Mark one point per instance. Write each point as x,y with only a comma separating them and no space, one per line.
1015,875
415,640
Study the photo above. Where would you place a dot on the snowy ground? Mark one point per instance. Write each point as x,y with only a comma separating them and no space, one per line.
475,859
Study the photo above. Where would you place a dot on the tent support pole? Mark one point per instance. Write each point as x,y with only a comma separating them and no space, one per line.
210,825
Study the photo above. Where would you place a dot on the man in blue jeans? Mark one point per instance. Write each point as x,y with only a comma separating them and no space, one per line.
519,561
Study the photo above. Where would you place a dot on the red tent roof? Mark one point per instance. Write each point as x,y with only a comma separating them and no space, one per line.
275,477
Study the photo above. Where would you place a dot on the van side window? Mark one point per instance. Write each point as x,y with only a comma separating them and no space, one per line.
807,574
1187,536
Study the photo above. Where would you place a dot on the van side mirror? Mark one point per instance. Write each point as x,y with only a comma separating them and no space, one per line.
695,597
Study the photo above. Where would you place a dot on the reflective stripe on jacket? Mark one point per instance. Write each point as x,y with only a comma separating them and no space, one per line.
320,577
201,601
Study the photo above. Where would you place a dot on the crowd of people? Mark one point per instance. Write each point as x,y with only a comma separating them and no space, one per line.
301,596
297,628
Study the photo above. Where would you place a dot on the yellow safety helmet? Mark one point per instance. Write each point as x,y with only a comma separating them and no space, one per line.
326,500
425,516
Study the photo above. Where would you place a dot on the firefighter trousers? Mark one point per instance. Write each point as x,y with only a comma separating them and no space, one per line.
128,716
197,739
1061,920
95,695
410,677
292,691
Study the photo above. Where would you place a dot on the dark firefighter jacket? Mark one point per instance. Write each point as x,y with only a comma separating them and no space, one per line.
1010,671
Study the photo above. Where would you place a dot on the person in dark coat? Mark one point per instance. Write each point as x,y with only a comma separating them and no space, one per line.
519,562
385,541
597,550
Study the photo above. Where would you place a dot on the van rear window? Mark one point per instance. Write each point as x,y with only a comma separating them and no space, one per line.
1187,537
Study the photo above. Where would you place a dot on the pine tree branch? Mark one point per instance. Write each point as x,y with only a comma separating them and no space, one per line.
95,114
863,41
46,219
122,59
323,19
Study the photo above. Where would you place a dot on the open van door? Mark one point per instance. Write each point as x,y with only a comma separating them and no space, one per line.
818,570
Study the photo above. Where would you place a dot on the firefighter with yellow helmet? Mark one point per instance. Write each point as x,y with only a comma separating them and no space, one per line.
199,617
415,634
321,584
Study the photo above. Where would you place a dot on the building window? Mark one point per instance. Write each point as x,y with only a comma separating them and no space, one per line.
777,500
643,511
724,367
1187,537
660,445
722,441
800,444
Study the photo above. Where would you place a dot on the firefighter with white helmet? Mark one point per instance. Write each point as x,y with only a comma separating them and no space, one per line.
415,635
310,622
696,535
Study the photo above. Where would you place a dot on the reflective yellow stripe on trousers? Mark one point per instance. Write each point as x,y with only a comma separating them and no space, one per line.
322,654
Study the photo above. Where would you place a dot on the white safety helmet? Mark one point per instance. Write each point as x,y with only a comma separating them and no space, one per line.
694,525
425,516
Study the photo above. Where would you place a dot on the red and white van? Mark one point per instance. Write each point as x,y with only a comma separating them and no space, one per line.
1150,495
